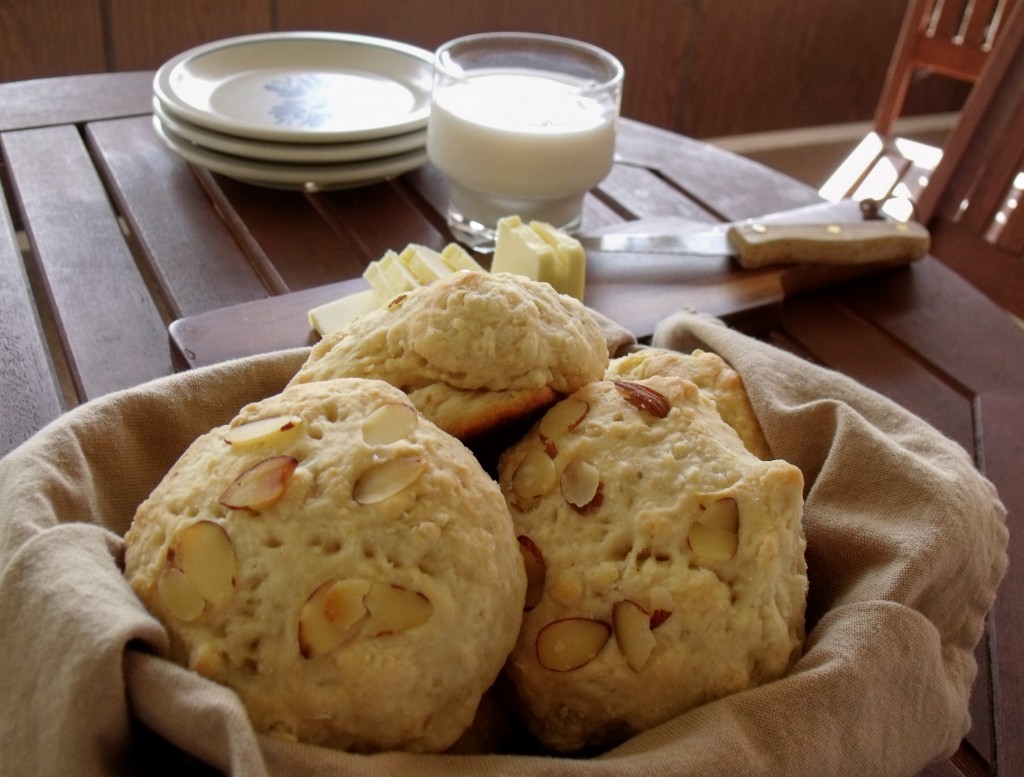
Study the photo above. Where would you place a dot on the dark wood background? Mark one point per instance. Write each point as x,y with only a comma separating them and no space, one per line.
704,68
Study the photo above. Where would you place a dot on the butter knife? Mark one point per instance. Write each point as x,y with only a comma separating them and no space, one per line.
775,240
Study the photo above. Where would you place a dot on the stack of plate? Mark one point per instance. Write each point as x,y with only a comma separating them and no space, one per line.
297,110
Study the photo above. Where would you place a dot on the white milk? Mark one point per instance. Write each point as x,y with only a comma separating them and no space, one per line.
513,142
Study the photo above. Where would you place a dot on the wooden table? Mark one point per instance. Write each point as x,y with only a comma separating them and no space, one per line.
120,263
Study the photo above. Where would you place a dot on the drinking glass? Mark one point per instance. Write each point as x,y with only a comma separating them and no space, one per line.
521,124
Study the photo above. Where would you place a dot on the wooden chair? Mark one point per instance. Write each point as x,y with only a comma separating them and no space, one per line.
972,203
951,38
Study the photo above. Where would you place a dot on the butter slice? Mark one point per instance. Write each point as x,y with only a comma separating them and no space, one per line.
521,251
458,258
536,250
426,264
337,313
398,276
378,280
570,257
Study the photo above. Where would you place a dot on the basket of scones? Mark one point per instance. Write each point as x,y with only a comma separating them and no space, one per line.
477,528
339,556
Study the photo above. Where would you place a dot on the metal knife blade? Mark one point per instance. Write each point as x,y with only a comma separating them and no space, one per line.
778,239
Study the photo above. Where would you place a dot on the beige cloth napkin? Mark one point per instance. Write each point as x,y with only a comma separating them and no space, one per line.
906,545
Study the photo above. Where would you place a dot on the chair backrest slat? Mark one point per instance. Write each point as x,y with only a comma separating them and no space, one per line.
952,38
979,27
975,183
1011,234
947,17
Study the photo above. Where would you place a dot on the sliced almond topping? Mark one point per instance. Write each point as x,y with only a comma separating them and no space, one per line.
384,480
330,616
389,423
208,662
179,595
261,430
580,483
632,624
711,544
644,398
714,535
658,617
204,554
661,605
535,476
571,643
721,514
394,609
536,571
563,418
261,485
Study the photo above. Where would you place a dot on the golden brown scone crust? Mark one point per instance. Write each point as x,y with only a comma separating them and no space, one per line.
469,415
444,537
711,374
473,350
733,621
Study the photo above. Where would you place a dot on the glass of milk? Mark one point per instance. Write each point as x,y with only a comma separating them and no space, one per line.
521,124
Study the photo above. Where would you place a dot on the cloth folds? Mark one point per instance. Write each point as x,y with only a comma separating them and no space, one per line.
906,548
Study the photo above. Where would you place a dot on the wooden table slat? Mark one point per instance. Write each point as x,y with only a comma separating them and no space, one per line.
85,263
426,187
987,354
27,381
988,267
641,193
373,215
980,737
1001,449
193,258
730,186
846,343
49,101
598,213
291,234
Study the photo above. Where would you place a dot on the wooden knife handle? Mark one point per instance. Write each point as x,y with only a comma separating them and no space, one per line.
760,244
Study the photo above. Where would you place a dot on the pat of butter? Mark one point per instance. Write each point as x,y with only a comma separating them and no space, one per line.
397,274
338,313
458,258
378,280
521,251
537,250
570,257
426,264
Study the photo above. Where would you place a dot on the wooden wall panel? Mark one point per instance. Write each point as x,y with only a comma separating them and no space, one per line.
41,38
704,68
761,66
773,62
146,33
649,36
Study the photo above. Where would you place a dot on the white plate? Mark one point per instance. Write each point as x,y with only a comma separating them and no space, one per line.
280,176
300,87
302,153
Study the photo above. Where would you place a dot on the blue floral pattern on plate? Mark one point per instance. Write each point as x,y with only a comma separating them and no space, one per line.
304,100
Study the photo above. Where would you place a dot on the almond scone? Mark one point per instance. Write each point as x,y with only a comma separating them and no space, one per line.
473,350
713,377
343,564
665,561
